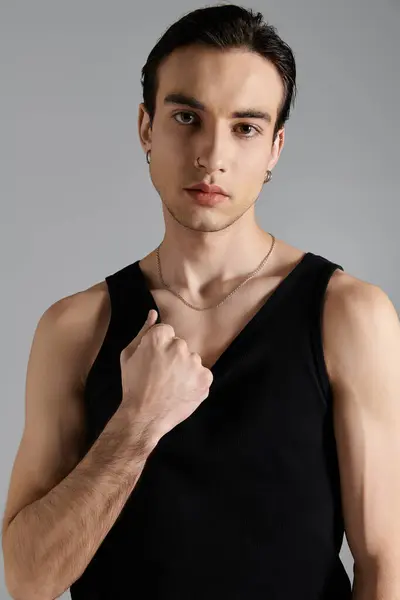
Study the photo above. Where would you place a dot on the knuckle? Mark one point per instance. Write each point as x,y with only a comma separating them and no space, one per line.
167,328
180,344
208,376
161,332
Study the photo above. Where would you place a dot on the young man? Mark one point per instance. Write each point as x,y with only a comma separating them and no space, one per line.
222,451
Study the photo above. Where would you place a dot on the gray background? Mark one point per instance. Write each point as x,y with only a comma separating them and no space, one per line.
76,200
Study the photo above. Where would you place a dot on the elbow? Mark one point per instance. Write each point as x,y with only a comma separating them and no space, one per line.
19,585
14,581
20,588
24,591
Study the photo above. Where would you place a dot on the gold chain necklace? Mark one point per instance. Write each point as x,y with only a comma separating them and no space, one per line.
264,260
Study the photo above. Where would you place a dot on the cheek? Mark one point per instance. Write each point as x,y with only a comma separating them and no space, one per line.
170,150
172,165
252,166
249,177
167,171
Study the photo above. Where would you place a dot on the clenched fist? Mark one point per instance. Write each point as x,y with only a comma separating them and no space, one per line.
162,381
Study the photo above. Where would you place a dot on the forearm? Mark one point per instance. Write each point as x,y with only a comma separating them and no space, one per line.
51,541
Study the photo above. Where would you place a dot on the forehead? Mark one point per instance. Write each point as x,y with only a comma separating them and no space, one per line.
223,80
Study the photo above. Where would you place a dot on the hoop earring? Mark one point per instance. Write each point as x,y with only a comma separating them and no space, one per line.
268,177
148,156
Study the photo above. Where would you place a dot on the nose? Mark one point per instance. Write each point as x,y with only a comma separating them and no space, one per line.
209,164
211,153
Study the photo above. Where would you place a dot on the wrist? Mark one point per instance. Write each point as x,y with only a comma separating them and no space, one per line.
139,432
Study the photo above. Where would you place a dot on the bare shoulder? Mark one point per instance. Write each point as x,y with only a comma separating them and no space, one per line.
80,305
81,319
354,310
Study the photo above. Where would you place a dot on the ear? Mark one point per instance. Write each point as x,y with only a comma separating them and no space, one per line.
277,148
144,127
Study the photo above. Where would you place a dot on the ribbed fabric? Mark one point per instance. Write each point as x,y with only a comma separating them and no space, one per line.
241,501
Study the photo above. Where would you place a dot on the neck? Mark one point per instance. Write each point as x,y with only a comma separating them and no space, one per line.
204,264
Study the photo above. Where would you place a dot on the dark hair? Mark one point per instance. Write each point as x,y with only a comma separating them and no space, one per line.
224,26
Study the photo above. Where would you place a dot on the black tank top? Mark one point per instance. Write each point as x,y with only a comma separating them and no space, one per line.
241,500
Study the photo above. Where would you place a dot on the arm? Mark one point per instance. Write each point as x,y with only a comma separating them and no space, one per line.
59,507
73,518
362,344
51,541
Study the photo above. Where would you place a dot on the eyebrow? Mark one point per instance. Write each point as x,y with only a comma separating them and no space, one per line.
249,113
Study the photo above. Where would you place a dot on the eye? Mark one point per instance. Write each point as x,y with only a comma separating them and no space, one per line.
192,115
251,128
182,112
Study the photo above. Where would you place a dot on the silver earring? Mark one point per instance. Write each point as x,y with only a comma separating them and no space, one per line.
148,156
268,177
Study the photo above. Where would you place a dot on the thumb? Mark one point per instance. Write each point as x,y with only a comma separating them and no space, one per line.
151,318
149,322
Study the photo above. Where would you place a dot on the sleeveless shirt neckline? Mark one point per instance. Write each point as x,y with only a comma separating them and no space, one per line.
253,320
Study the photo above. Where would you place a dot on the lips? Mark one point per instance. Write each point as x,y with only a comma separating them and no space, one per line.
208,189
205,199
